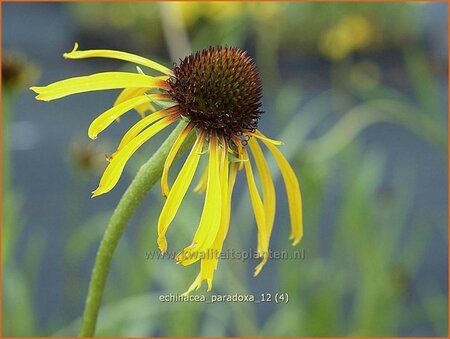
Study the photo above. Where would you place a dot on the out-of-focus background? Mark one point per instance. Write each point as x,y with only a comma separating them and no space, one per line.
358,93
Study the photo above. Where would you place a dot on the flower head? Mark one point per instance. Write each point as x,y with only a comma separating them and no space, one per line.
217,91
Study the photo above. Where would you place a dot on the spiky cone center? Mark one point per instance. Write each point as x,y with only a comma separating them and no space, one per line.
219,90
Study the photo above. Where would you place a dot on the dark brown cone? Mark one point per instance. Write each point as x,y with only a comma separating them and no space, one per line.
218,89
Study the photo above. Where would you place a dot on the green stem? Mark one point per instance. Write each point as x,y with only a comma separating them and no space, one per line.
146,177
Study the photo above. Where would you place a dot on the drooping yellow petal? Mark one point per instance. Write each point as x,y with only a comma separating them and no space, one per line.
107,118
144,123
260,266
268,188
209,265
105,53
240,152
170,158
205,272
261,136
115,168
178,191
258,209
96,82
227,181
210,219
293,193
129,93
195,285
232,181
142,109
201,186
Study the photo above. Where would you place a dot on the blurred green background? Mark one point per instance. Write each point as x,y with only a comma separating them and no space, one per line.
358,93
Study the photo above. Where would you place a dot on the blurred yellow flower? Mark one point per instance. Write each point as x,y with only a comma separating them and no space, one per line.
352,33
215,11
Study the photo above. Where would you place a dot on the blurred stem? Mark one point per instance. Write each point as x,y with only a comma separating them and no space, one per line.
174,31
244,314
376,111
10,198
425,86
267,49
6,149
146,177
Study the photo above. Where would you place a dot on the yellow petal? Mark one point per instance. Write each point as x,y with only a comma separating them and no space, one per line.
226,199
107,118
210,219
225,220
96,82
259,135
208,266
115,168
227,181
143,123
106,53
232,180
293,193
258,209
268,187
207,271
178,191
170,158
227,209
240,152
142,109
260,266
129,93
201,186
195,285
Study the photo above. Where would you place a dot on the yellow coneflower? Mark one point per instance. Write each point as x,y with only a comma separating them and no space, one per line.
218,92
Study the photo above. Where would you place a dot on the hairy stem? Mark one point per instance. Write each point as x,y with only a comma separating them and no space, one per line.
146,177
